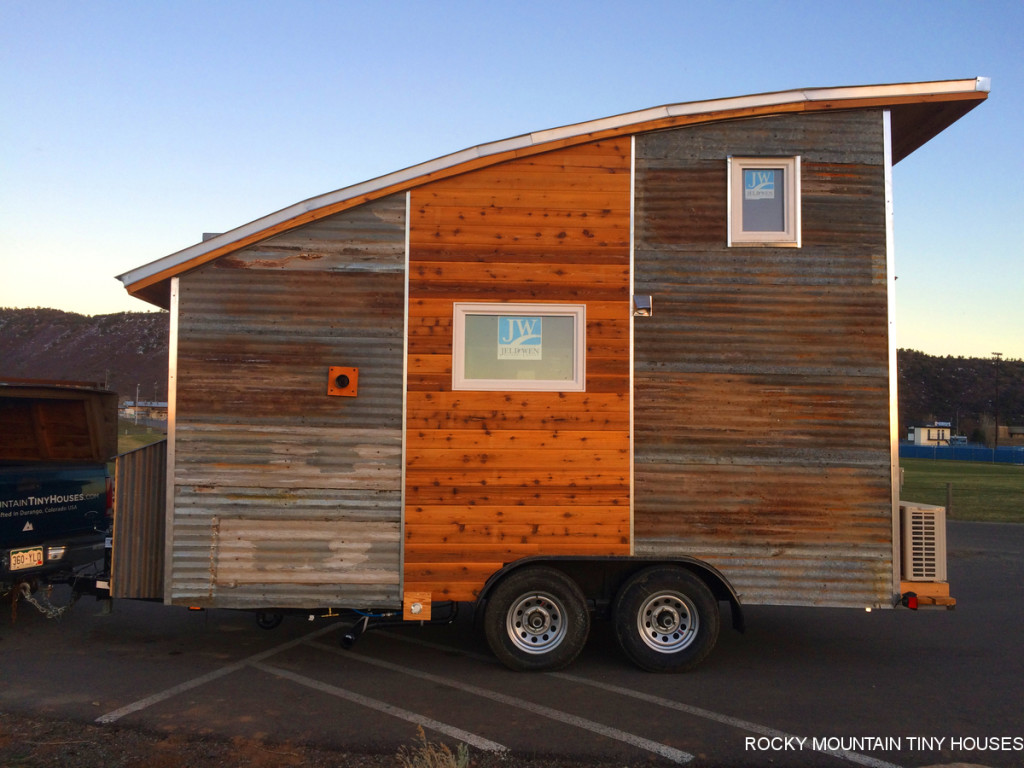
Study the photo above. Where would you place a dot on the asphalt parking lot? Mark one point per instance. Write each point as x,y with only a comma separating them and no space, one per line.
802,687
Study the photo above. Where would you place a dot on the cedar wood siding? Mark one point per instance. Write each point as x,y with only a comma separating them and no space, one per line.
761,380
495,476
285,497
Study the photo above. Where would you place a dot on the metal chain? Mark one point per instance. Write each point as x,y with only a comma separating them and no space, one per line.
48,609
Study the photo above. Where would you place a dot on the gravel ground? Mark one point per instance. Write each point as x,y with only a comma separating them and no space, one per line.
34,742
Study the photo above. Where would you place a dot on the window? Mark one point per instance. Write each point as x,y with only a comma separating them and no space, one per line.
539,347
764,201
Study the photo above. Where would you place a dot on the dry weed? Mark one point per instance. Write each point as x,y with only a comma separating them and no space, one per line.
427,755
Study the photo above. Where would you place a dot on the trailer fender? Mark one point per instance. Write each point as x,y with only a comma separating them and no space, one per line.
602,577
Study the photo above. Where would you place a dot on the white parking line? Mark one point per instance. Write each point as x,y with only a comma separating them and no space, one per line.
389,709
484,657
670,753
853,757
195,682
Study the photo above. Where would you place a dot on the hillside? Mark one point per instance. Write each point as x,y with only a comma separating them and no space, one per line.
961,390
129,350
126,352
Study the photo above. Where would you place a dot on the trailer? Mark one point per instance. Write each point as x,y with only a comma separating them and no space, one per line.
637,368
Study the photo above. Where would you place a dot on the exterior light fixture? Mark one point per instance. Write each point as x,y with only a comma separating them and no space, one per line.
642,306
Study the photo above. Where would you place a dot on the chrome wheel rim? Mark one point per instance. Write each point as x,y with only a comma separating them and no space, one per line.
667,622
536,622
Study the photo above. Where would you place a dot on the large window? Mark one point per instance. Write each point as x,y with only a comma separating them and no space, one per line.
764,201
539,347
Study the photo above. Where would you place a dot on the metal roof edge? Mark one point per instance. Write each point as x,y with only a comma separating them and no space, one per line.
539,138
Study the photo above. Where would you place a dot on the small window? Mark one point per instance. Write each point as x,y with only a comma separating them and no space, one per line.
538,347
764,201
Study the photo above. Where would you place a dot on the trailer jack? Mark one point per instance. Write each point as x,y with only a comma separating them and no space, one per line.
355,632
366,621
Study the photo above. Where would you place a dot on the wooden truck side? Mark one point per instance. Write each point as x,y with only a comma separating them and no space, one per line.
636,366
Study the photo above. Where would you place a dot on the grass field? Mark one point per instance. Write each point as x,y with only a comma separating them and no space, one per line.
131,436
989,492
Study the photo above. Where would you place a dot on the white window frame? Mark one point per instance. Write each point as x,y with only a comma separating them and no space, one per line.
577,311
790,236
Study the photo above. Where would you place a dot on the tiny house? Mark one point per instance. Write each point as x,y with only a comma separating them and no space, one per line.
636,366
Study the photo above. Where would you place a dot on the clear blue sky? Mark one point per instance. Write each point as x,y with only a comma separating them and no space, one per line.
127,129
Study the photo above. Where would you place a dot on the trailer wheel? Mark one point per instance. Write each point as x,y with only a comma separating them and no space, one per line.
536,619
666,619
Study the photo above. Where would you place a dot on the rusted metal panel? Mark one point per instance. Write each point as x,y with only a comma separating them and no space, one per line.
140,481
761,380
332,552
286,496
362,239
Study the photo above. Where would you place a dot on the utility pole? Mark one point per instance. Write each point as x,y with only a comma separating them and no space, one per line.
997,358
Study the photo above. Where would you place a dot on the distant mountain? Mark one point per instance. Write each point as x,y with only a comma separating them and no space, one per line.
128,353
965,391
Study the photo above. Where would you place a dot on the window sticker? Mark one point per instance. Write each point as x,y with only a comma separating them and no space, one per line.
520,338
759,184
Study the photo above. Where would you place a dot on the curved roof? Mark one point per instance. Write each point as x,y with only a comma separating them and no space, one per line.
919,112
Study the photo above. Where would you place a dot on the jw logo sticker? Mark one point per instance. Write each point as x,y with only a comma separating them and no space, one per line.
519,338
759,184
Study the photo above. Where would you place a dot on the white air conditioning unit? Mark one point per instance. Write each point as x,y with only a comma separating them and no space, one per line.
924,542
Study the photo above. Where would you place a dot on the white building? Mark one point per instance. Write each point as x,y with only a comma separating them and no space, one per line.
932,434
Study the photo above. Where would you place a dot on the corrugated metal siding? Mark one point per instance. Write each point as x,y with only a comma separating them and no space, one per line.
285,496
761,380
140,503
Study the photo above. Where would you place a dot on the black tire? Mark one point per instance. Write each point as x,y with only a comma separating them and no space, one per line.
666,619
269,619
536,620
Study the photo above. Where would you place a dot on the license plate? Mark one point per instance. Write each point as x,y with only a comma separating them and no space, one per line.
26,558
